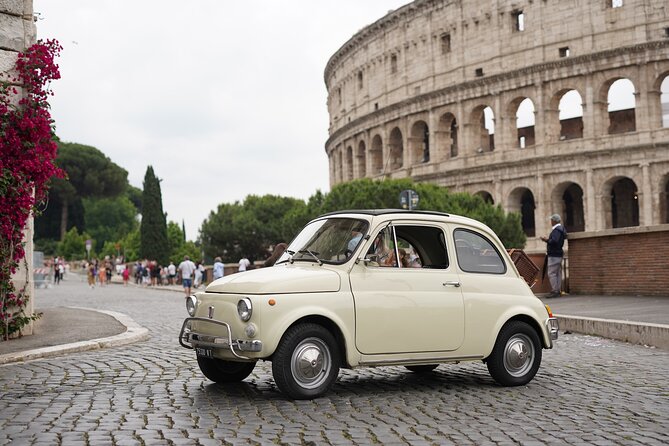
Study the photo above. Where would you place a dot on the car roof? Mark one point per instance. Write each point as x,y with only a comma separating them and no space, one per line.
376,212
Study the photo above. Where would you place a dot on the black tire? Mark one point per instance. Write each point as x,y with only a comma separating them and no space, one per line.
516,357
306,362
221,371
421,368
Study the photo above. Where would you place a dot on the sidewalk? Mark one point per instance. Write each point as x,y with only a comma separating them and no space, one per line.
634,319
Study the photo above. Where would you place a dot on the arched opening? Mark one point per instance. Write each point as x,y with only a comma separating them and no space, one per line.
621,108
522,200
664,101
361,156
449,128
376,155
349,164
525,123
420,143
486,196
571,115
574,217
484,123
624,204
396,149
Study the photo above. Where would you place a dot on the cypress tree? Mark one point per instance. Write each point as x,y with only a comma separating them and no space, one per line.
153,231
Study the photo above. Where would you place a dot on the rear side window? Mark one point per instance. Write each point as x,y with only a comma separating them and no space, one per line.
476,254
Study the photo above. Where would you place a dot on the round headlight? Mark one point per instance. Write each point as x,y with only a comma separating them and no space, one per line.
244,309
191,305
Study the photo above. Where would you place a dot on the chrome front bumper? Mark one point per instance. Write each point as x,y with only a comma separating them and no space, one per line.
553,327
189,339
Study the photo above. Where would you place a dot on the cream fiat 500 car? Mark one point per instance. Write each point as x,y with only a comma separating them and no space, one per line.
372,288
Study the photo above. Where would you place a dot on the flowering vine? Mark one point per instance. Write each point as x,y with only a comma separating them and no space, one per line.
27,153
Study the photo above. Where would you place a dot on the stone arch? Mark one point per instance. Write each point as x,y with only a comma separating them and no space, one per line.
448,132
419,143
619,94
523,109
361,155
567,200
569,104
521,200
620,202
348,164
396,149
483,125
376,155
664,99
487,196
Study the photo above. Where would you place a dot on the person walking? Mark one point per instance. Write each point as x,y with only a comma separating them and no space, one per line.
554,254
186,269
171,273
243,264
218,270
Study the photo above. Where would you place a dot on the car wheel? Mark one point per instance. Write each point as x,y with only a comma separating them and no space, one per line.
516,356
221,371
306,362
421,368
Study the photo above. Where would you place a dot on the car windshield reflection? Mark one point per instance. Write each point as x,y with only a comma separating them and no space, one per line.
331,240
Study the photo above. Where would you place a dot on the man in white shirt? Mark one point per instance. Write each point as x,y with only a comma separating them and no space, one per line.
244,264
186,269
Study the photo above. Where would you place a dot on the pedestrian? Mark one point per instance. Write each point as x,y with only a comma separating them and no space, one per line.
126,275
219,268
102,274
91,275
56,272
554,254
186,270
244,264
171,273
199,270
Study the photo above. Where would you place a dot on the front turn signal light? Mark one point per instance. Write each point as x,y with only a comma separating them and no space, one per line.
550,313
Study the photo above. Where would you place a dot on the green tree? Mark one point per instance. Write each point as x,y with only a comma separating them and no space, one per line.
153,229
109,219
73,245
130,245
369,194
90,174
251,227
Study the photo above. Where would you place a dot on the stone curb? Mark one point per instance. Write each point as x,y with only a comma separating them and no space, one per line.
134,333
656,335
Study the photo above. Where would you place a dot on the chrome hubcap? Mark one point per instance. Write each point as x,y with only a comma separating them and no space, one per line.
518,355
310,363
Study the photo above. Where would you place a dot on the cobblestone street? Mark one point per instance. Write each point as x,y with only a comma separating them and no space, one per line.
588,391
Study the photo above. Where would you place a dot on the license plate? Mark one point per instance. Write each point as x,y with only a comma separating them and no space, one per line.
204,352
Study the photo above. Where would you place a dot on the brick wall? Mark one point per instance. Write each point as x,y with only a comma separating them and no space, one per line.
625,261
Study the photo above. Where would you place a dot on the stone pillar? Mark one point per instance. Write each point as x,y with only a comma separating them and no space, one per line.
18,32
594,123
591,220
642,101
645,197
543,208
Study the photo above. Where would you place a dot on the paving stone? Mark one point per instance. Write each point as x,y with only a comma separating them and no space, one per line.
152,393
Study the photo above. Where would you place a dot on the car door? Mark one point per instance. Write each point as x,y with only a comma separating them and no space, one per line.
409,307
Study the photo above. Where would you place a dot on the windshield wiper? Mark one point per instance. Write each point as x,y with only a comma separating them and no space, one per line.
302,251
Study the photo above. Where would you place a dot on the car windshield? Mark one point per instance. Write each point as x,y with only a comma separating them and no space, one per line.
331,240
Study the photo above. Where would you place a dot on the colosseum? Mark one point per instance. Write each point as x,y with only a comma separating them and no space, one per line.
540,106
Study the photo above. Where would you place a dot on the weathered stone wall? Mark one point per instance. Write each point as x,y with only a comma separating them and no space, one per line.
426,71
17,32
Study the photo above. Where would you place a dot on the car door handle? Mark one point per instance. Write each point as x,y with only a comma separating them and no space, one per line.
454,283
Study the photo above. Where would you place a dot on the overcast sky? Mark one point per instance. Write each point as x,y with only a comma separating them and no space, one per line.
223,98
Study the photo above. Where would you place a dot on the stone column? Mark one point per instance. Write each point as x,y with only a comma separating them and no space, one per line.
591,220
645,197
